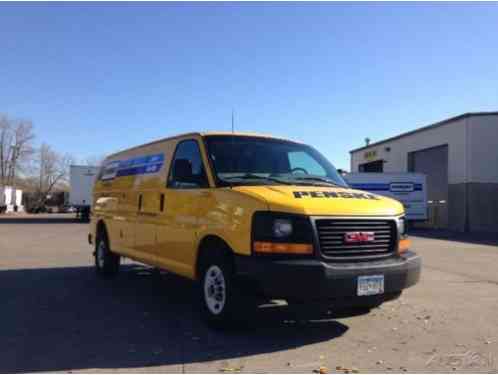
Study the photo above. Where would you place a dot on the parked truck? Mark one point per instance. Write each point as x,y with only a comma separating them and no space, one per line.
82,179
10,199
407,188
250,217
3,200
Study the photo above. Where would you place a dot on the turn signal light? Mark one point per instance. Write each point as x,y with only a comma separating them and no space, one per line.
282,248
404,245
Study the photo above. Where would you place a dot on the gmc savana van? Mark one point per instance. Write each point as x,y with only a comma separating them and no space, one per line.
249,215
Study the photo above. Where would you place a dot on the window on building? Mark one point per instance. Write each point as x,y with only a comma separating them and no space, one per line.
373,166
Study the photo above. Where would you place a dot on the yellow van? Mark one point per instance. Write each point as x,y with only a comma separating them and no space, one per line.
249,215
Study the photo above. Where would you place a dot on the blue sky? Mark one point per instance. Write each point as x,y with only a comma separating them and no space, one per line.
96,78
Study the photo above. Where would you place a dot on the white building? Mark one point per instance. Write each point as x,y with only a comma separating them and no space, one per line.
460,158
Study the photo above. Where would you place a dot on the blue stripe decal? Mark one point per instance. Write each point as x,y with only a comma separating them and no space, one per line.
384,186
147,164
142,169
370,186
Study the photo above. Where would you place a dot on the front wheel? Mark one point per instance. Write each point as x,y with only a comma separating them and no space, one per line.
220,300
106,262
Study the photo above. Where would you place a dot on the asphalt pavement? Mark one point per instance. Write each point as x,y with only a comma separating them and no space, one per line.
56,315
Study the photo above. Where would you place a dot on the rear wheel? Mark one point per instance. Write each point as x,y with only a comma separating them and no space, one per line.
106,262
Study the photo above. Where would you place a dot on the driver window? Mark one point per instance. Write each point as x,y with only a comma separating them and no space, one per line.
187,169
302,162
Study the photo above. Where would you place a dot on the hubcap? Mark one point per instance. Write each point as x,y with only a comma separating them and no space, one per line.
214,289
101,254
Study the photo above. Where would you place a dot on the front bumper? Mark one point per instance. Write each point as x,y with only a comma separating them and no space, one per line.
314,279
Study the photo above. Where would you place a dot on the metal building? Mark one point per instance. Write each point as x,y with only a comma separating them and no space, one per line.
460,158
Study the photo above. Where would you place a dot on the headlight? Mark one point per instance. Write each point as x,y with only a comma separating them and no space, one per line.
282,228
404,243
281,233
402,227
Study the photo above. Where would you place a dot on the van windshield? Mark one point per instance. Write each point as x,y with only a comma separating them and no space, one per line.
245,160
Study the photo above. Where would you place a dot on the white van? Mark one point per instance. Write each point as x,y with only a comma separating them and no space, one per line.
408,188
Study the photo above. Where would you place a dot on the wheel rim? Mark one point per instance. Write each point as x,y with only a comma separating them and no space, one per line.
101,254
214,290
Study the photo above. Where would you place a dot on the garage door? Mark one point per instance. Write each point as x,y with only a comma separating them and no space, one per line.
433,162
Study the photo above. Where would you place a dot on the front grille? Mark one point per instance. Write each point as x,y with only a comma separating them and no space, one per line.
332,232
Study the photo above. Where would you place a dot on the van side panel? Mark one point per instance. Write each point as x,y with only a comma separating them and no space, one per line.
130,206
117,198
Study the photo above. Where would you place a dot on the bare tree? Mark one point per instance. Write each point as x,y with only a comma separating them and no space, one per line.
15,147
51,172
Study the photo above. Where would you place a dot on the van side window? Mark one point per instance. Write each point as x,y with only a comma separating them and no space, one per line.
187,169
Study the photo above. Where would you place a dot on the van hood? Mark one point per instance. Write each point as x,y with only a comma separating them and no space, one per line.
318,200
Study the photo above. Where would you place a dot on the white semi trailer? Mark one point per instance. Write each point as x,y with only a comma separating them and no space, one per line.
3,200
10,199
408,188
81,180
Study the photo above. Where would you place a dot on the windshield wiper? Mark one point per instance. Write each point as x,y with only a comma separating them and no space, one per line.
250,176
318,179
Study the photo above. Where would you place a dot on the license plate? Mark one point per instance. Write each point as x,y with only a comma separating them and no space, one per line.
370,285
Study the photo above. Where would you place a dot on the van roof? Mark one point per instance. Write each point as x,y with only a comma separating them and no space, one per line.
203,134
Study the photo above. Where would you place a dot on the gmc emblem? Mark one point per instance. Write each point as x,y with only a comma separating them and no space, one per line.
358,237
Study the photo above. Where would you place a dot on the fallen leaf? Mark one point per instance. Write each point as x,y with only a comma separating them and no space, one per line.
231,369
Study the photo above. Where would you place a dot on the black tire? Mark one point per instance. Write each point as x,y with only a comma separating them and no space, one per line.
106,262
231,305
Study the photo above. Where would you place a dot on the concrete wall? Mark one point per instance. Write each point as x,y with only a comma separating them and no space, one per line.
483,174
482,207
483,141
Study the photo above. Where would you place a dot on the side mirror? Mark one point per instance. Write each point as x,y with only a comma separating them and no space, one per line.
182,171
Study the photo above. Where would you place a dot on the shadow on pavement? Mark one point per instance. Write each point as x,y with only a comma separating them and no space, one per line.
40,219
472,238
65,318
